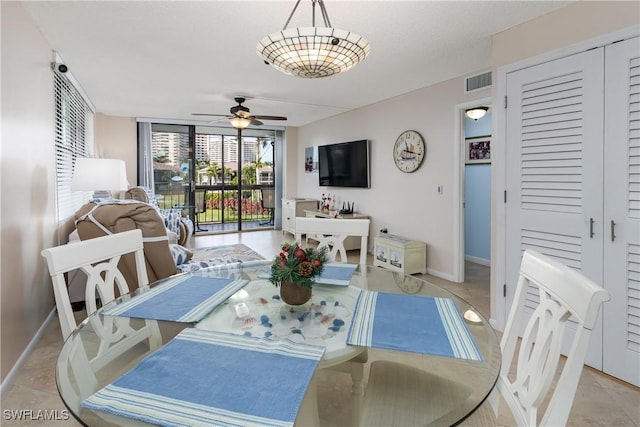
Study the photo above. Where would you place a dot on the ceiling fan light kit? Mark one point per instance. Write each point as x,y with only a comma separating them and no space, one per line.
313,52
241,117
239,122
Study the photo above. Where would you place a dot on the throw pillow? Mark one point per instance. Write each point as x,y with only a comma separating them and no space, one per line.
180,254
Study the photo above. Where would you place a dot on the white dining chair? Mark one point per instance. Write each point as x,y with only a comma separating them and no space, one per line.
566,298
98,258
331,233
564,294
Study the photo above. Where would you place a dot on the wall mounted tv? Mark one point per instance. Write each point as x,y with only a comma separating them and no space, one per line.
344,165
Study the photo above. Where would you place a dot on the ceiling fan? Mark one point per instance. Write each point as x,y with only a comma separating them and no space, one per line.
241,117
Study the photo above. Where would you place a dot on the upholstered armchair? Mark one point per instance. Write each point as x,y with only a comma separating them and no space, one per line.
179,226
95,220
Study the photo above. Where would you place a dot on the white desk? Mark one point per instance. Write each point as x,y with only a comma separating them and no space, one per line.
351,242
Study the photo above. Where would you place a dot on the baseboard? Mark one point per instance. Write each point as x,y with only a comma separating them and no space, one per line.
440,274
8,381
477,260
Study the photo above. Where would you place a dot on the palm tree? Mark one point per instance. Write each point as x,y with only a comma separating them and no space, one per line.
213,171
249,174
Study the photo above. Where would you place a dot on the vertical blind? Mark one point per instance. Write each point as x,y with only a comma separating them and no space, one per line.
73,139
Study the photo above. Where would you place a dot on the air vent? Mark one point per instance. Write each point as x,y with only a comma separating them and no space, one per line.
479,81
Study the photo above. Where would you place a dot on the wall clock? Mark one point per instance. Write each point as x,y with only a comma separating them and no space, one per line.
409,151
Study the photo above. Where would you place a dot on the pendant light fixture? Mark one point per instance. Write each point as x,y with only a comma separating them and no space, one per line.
313,52
477,112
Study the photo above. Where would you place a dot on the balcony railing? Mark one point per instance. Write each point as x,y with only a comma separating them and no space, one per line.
220,206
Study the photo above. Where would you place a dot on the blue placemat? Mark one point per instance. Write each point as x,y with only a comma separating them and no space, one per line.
338,274
204,378
180,299
412,323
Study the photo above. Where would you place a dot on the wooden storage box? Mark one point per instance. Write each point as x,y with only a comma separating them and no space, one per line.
399,254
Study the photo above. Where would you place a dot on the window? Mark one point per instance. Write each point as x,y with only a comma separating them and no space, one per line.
73,139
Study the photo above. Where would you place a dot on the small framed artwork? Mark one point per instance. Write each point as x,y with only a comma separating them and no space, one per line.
311,159
381,253
478,150
396,258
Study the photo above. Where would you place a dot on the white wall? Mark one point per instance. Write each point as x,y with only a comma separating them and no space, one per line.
406,204
117,138
27,176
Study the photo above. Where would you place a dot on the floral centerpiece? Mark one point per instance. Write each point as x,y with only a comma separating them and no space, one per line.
298,265
294,270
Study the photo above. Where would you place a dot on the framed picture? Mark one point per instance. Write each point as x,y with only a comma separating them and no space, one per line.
478,150
311,159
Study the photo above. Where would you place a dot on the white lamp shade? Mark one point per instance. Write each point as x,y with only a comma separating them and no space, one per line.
99,175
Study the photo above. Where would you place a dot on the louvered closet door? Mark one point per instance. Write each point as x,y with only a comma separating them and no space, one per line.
554,152
622,205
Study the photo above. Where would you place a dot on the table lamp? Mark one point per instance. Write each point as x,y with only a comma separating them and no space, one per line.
102,176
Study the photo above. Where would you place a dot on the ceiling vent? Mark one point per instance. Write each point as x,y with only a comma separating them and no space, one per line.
477,82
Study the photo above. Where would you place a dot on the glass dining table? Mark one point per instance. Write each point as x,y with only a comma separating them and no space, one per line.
106,347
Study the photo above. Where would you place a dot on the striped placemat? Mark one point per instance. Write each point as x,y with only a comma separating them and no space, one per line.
184,298
413,323
205,378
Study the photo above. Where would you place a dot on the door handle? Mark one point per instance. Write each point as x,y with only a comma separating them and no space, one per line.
613,230
591,232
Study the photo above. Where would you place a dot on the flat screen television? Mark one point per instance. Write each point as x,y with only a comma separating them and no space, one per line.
345,164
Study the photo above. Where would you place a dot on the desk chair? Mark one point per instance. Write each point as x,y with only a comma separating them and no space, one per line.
200,206
98,258
268,201
564,294
331,232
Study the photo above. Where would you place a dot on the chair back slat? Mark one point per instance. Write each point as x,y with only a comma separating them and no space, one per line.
98,258
564,294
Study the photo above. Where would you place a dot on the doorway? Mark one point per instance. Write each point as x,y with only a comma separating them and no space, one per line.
477,189
472,169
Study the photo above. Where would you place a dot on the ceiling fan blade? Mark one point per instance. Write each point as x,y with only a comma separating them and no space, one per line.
255,122
205,114
269,117
221,119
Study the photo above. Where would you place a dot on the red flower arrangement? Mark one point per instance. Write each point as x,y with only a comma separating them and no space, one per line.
298,265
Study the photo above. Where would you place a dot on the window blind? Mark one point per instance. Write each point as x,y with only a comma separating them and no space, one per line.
73,139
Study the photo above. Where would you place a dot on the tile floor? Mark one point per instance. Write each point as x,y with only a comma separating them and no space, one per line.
600,400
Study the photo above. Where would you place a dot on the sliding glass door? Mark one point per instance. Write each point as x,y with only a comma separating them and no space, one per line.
218,175
172,165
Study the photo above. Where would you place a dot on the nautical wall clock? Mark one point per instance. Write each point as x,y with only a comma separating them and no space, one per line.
408,151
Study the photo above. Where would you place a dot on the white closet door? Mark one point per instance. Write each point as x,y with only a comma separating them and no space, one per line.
622,206
554,151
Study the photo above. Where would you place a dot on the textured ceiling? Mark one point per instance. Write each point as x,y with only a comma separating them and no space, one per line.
169,59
